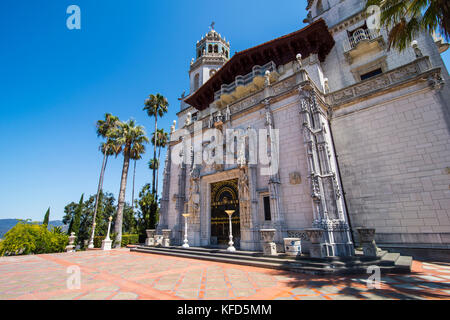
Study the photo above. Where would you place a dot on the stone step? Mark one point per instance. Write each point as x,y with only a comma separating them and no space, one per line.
258,256
404,263
257,260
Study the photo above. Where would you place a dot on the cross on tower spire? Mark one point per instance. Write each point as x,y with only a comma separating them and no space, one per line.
212,25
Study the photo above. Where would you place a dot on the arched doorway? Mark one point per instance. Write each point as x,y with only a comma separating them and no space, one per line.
224,196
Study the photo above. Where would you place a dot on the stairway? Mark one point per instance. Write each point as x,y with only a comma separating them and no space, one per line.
388,262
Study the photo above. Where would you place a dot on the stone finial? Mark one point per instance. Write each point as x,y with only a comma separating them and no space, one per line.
267,78
299,60
325,85
192,61
172,127
417,51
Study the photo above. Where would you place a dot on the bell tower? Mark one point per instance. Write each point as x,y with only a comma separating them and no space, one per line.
212,51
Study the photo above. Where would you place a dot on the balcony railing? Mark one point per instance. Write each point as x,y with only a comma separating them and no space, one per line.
358,36
257,71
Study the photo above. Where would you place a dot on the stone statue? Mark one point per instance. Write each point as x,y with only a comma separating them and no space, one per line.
228,114
188,120
211,120
267,78
172,127
299,60
244,196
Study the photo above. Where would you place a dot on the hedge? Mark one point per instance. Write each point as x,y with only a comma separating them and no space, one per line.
126,239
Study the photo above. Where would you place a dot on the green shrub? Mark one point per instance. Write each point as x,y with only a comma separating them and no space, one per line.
26,238
126,239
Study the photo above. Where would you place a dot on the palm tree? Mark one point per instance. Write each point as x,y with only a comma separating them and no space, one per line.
104,127
406,18
129,139
135,155
161,141
155,105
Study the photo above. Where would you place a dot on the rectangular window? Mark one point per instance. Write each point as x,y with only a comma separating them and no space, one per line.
371,74
267,215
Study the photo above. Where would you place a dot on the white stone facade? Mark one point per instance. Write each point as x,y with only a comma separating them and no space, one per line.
352,153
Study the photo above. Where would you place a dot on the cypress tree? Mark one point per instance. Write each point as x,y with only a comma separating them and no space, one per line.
46,217
77,217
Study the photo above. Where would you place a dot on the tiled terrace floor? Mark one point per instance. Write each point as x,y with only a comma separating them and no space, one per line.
121,274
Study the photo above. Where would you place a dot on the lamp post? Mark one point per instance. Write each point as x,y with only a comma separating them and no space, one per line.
230,248
185,244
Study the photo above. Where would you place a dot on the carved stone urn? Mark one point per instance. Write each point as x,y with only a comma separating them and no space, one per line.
367,238
366,234
70,247
150,241
316,249
267,235
166,237
269,247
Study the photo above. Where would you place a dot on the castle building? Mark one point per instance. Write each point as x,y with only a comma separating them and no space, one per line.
354,135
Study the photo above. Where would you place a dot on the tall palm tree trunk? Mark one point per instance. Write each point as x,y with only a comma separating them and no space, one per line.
99,189
120,207
154,153
132,192
157,172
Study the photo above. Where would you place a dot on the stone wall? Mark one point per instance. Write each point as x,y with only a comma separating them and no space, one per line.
394,157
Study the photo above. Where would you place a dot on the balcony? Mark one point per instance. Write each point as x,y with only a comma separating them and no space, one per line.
363,41
245,85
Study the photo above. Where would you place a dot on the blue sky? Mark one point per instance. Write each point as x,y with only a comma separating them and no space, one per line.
56,83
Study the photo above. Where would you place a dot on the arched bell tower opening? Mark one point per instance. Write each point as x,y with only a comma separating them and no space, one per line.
224,196
212,51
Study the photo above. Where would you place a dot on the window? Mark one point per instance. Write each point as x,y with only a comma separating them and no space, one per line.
199,53
267,214
196,81
371,74
216,49
210,48
194,116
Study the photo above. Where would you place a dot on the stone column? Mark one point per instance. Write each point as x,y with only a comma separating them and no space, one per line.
328,206
274,180
107,242
269,247
150,241
367,238
165,198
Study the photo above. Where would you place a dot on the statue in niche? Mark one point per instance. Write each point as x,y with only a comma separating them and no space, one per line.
244,196
228,114
211,120
188,120
194,193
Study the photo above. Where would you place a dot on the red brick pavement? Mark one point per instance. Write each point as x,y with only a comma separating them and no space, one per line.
121,274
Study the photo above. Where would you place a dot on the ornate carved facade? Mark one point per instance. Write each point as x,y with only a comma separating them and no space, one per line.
288,96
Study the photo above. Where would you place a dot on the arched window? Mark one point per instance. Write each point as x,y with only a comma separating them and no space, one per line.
216,48
196,81
226,53
210,48
199,53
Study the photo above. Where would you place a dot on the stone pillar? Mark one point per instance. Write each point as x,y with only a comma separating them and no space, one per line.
367,238
71,246
165,198
328,206
150,241
274,179
269,247
166,237
316,250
